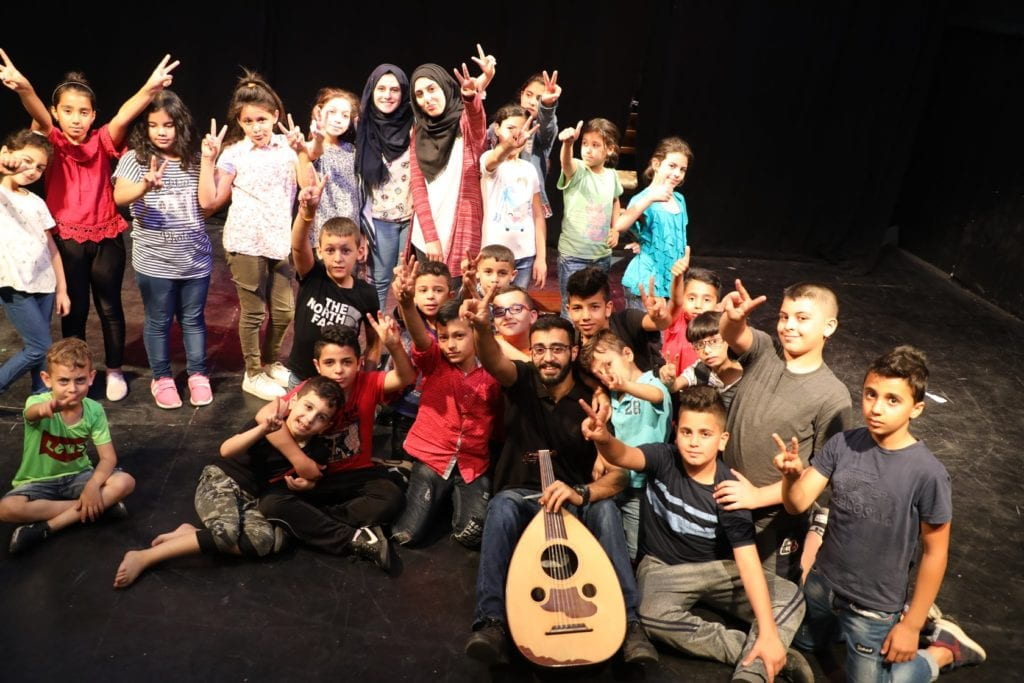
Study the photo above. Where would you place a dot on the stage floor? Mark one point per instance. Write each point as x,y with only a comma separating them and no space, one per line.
307,616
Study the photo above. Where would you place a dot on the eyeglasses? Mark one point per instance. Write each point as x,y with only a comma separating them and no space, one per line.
502,311
708,344
555,349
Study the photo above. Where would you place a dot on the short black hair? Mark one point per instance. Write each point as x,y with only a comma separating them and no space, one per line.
325,388
903,362
448,312
588,282
706,276
703,326
339,335
546,323
436,268
702,398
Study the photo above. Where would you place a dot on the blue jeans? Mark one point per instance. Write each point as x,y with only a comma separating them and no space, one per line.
391,238
30,315
524,272
567,265
508,514
427,492
863,630
162,300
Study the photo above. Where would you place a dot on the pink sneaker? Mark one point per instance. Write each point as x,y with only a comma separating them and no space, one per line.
165,393
199,392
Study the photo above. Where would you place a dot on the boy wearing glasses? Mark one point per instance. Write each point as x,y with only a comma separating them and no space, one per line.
514,313
713,366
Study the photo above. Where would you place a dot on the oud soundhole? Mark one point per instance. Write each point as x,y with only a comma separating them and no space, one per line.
589,590
537,594
559,561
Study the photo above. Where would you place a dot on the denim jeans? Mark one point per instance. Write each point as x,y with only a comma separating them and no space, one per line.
567,265
162,300
508,514
391,239
428,490
524,272
30,315
863,630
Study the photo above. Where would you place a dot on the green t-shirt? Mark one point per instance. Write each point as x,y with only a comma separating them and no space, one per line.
54,449
587,215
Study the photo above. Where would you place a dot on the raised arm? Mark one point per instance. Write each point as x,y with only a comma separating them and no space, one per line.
214,184
158,80
273,415
636,208
238,444
546,119
615,452
402,284
568,138
13,79
679,269
309,198
403,374
733,324
768,647
658,317
508,143
800,487
478,313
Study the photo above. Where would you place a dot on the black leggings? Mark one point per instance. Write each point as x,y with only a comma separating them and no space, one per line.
99,265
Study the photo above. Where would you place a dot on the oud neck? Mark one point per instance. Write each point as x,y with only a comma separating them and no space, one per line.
547,472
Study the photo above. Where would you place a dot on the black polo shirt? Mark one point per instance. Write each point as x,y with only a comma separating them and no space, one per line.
534,421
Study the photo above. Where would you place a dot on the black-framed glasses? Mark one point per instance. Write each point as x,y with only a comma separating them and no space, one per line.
708,344
502,311
556,349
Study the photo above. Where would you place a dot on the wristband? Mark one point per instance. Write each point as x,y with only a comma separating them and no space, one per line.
584,492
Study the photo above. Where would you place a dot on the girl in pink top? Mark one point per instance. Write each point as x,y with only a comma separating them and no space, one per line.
80,196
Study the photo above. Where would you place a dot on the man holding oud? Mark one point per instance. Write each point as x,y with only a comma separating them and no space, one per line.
543,412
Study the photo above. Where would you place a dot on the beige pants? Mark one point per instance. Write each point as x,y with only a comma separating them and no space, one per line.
263,285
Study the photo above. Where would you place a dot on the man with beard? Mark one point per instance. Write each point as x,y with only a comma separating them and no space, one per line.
543,412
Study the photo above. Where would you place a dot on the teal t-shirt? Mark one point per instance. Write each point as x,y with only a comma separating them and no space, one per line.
662,237
638,422
53,448
587,214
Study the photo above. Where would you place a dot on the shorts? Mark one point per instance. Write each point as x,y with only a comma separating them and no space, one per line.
67,487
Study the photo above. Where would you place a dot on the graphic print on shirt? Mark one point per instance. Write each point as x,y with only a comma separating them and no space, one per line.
856,492
598,222
344,443
331,312
515,207
61,448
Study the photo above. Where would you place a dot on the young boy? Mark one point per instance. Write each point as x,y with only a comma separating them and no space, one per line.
795,394
641,409
888,490
514,312
354,496
494,266
459,407
695,551
694,291
228,489
590,310
56,485
713,365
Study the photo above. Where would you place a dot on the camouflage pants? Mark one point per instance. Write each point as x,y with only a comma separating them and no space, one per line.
233,517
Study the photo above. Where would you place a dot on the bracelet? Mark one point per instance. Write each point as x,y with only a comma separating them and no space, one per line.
584,491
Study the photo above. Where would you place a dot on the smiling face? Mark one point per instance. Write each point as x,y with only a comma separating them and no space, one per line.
68,384
387,94
888,406
609,362
338,363
33,157
430,292
699,437
514,325
552,353
308,415
803,327
74,114
339,254
530,96
257,123
589,315
429,97
671,170
161,130
337,112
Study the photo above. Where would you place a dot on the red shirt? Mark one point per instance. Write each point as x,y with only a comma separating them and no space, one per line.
674,347
79,192
457,414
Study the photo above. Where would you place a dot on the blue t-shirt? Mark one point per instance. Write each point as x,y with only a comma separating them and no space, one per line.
662,237
637,421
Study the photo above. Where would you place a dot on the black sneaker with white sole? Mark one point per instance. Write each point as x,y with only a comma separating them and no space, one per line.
370,543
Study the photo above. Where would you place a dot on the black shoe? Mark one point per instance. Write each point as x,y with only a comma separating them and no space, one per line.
117,511
637,649
27,536
796,670
489,643
370,543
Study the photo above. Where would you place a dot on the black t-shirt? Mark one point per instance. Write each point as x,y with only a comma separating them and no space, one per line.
628,325
263,465
679,518
534,421
321,302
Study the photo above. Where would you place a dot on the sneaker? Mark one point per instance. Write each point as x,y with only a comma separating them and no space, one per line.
637,649
279,373
261,386
117,386
28,535
965,651
117,511
164,393
489,643
199,392
370,543
928,630
796,670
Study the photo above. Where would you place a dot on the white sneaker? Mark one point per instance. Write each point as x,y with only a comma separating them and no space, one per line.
262,386
279,373
117,387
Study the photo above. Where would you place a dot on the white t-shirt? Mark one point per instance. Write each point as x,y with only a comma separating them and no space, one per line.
508,206
443,196
24,256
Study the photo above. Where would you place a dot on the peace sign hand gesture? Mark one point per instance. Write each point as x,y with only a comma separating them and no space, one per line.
10,76
404,278
309,196
477,312
552,91
787,460
595,426
294,135
386,328
154,178
275,420
161,77
487,64
213,141
738,304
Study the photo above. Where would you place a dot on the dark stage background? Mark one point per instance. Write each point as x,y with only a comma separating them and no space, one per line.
817,126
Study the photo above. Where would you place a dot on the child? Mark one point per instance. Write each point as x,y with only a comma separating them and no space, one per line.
447,141
382,161
494,266
657,217
354,496
228,490
257,171
459,407
714,367
694,551
641,409
31,273
590,310
79,195
513,212
539,97
591,194
56,485
792,394
329,292
333,156
694,291
514,313
888,490
171,252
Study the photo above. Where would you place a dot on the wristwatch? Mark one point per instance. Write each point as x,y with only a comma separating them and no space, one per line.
584,492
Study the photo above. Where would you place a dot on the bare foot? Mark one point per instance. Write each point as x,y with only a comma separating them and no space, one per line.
131,566
181,530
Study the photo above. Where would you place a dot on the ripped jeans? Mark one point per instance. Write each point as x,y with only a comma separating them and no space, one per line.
428,490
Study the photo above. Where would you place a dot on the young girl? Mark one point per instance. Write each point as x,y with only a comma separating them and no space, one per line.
513,212
447,140
591,194
31,273
657,217
382,161
257,171
171,252
333,156
80,197
539,97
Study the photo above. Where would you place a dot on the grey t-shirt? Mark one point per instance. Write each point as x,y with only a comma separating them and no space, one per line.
771,399
879,500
